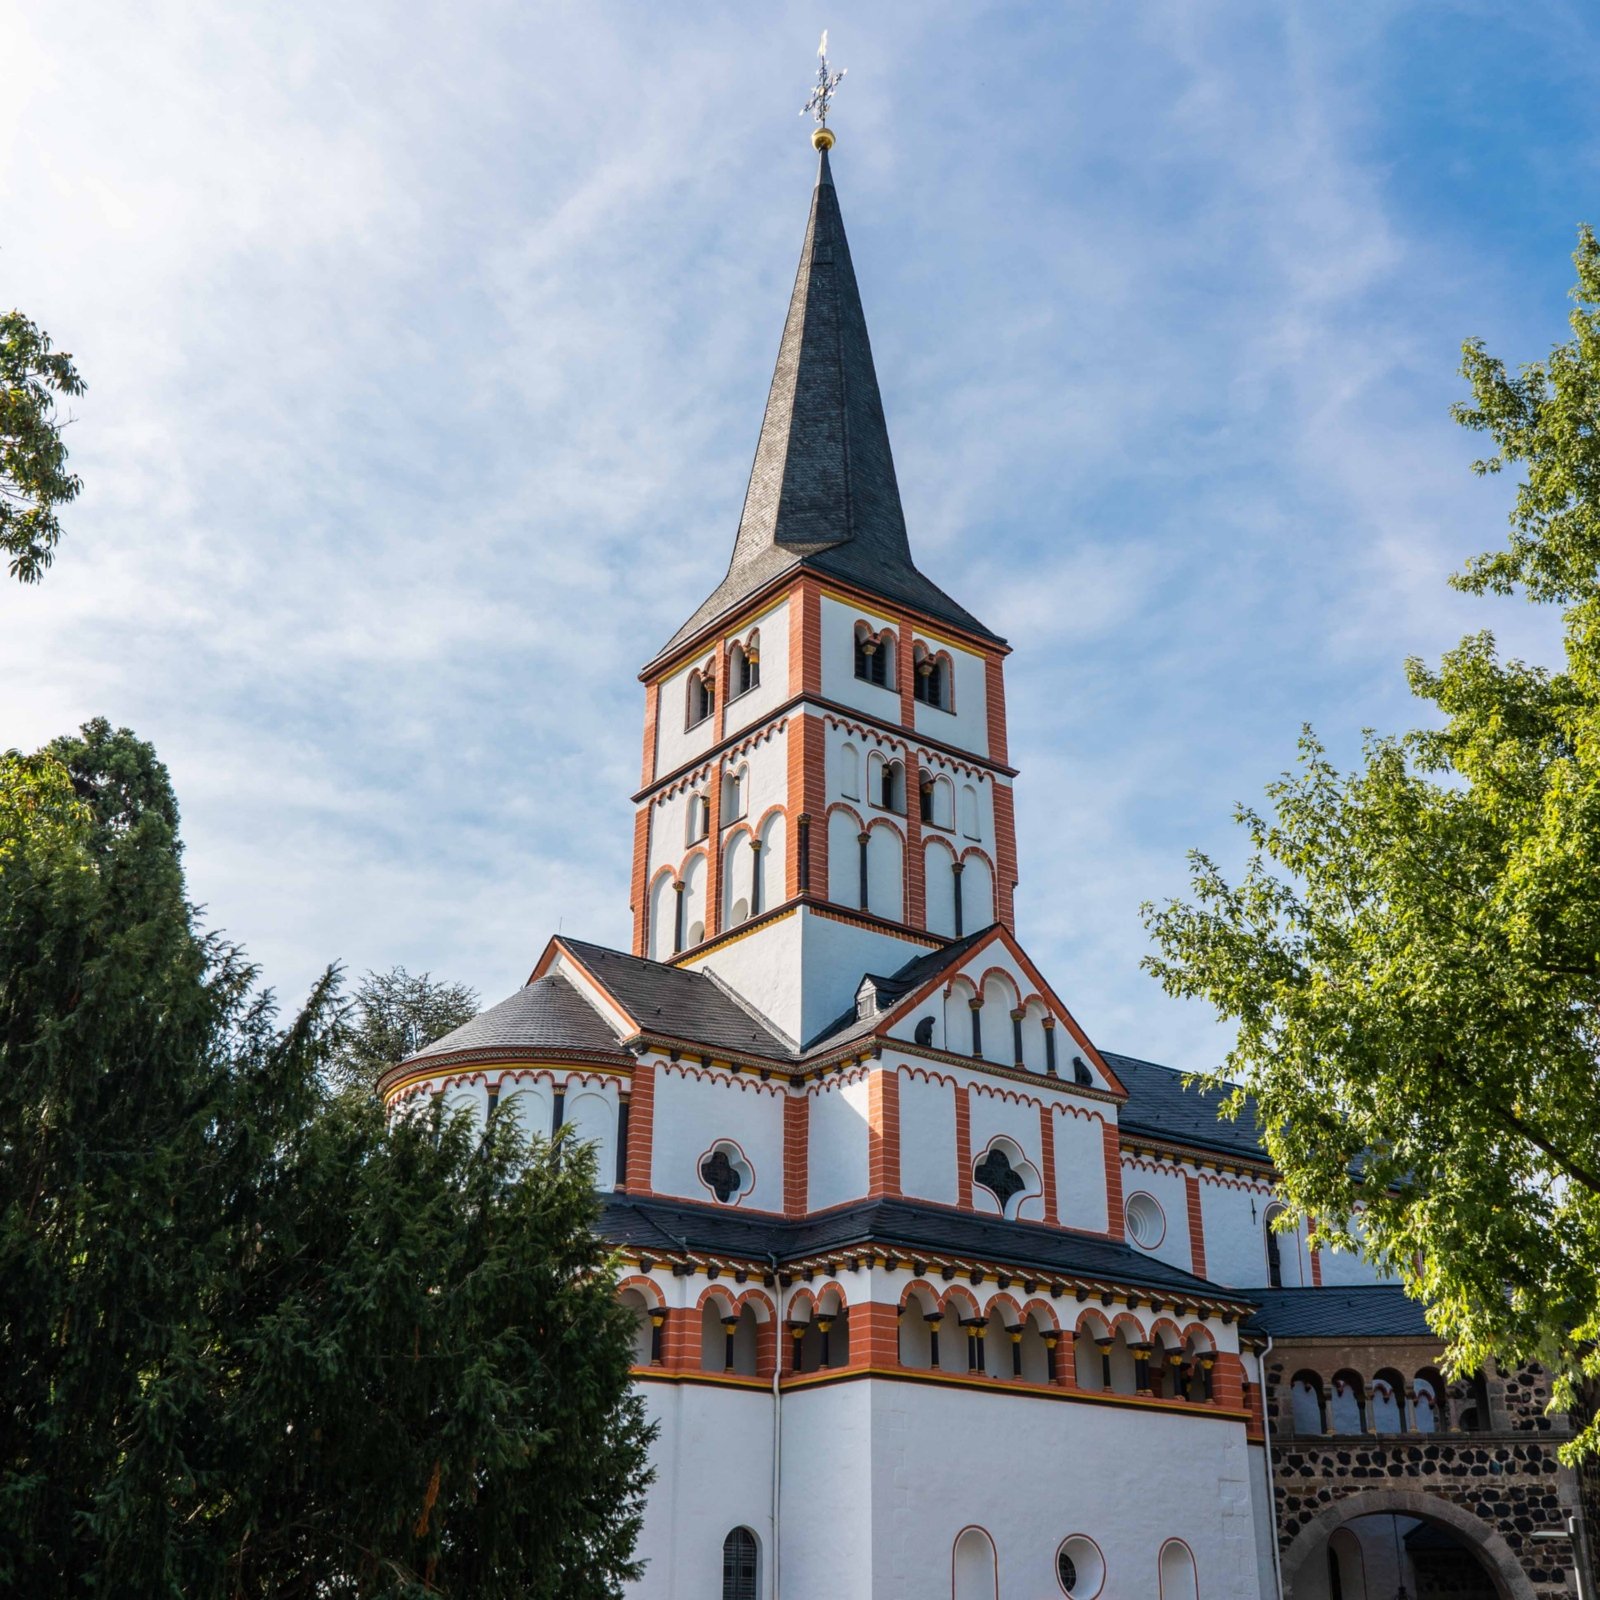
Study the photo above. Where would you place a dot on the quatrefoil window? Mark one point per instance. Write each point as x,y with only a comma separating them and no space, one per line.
999,1177
725,1172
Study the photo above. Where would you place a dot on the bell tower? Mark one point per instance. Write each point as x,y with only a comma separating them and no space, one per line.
825,786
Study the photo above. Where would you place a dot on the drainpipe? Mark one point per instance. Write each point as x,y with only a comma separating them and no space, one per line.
777,1418
1272,1492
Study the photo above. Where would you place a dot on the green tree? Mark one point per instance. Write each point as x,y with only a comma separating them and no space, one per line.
254,1339
393,1015
33,459
1412,952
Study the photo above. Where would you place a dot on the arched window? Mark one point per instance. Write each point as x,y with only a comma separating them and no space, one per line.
969,812
1307,1403
1178,1579
1388,1402
744,667
931,683
875,656
702,697
1347,1405
849,772
919,1335
643,1330
974,1569
1274,1247
891,793
735,794
739,1563
925,798
699,820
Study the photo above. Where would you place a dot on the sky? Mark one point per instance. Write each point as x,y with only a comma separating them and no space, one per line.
427,346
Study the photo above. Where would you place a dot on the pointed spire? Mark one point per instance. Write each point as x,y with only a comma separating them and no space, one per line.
822,490
824,473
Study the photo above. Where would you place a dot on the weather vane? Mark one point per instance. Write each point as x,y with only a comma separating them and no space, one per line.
822,93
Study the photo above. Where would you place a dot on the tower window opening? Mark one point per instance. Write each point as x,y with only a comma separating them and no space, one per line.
891,794
744,667
702,697
874,657
931,680
699,818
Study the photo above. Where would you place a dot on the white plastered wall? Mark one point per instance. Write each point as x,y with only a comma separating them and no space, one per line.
745,710
695,1108
837,1142
967,726
927,1136
1081,1171
675,743
999,1113
1165,1185
590,1111
839,680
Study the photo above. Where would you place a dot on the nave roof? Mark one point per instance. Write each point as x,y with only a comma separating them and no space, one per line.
909,1227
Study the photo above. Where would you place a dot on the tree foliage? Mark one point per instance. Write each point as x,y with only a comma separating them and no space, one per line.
393,1015
1412,953
255,1340
33,457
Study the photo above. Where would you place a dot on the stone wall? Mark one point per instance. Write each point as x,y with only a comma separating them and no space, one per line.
1491,1488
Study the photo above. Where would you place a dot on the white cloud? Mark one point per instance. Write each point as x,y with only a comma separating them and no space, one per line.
427,352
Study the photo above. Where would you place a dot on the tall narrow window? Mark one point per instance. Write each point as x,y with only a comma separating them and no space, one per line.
926,799
702,697
1274,1250
739,1565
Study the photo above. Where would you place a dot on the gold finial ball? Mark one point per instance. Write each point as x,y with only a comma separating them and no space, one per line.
822,139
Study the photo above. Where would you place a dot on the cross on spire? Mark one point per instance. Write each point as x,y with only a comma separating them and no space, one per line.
824,89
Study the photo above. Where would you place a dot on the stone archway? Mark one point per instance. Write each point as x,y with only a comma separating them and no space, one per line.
1510,1581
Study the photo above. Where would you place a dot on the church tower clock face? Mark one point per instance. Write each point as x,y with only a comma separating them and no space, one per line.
923,1279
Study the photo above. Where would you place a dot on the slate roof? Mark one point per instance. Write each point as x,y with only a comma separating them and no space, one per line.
548,1014
1374,1311
1159,1106
684,1005
822,491
664,1225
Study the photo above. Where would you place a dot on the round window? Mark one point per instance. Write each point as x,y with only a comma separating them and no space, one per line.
1080,1568
1147,1222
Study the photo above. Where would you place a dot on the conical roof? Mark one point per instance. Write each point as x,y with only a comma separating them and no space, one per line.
822,491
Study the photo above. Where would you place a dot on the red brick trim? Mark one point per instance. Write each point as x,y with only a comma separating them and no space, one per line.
1047,1161
805,619
1005,855
883,1133
808,794
713,849
796,1153
964,1147
1116,1224
905,672
995,695
641,890
916,896
1197,1231
641,1125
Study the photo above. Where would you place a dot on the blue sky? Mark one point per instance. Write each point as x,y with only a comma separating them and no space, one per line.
427,347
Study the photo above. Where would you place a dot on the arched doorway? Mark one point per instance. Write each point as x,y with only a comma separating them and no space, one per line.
1324,1561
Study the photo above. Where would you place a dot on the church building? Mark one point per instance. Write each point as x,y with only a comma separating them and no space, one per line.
934,1295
